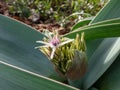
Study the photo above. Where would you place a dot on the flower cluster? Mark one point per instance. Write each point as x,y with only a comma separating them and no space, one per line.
53,42
67,55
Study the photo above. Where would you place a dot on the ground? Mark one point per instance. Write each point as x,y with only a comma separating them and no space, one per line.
38,26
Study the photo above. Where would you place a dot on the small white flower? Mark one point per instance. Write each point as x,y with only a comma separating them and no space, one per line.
53,42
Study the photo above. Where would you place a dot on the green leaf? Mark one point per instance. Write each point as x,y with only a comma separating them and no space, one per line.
105,22
105,51
111,78
17,42
93,88
101,59
95,43
15,78
105,29
82,23
110,11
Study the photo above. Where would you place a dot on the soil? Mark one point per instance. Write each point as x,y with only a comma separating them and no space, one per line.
38,26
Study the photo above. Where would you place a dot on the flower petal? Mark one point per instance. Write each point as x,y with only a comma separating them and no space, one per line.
41,46
42,42
65,42
53,51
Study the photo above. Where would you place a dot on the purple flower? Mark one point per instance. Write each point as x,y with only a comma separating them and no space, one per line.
53,42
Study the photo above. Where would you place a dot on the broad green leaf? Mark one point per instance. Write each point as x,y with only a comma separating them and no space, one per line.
101,29
92,46
17,42
109,54
111,78
98,30
110,11
15,78
89,29
110,21
93,88
104,56
95,43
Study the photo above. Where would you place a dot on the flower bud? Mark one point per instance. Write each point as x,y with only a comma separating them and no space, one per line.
78,67
67,55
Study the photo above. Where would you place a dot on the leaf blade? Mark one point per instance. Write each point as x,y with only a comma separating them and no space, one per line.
108,12
17,78
106,56
17,42
98,31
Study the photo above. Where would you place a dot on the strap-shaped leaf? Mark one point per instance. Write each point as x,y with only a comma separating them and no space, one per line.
110,11
101,59
111,78
17,42
100,30
105,51
15,78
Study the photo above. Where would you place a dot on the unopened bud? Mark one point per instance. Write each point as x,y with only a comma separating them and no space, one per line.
78,67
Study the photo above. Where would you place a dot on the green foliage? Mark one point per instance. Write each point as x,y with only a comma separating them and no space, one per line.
18,79
99,30
82,23
20,7
17,54
55,10
105,53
